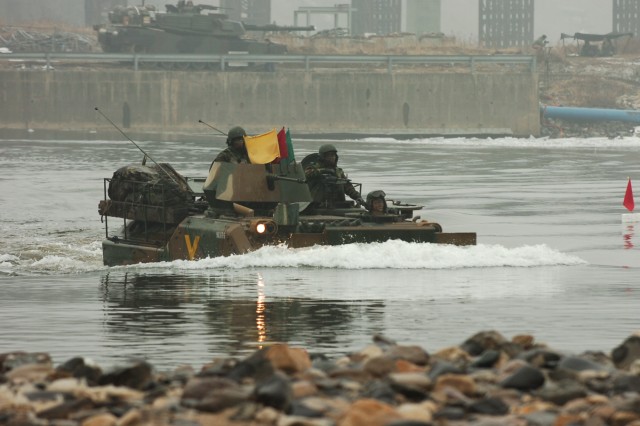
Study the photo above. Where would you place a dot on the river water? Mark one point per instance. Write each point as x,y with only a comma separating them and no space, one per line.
553,258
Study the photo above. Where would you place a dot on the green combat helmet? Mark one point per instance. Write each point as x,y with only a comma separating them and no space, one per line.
327,148
376,194
235,133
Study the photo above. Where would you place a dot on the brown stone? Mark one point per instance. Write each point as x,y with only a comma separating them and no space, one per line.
414,354
419,412
404,366
414,380
303,388
605,412
30,372
482,341
534,407
102,419
199,388
454,355
511,367
622,418
131,418
379,366
287,359
369,412
331,407
462,383
370,351
570,419
524,340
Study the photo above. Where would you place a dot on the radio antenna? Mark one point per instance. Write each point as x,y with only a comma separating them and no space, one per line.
144,160
210,126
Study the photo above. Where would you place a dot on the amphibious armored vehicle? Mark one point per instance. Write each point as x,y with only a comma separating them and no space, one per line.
184,29
238,208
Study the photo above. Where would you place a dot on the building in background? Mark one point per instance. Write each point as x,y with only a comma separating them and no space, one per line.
257,12
376,16
338,11
626,16
423,16
505,23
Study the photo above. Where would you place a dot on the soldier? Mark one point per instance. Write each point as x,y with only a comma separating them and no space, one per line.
235,152
540,42
376,203
327,182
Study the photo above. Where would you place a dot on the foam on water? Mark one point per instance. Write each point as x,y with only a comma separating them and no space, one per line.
561,143
393,254
53,258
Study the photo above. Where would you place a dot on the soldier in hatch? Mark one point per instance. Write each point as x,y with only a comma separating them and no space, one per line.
235,152
327,182
376,203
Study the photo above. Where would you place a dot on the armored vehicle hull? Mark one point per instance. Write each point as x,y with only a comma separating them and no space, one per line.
238,208
194,30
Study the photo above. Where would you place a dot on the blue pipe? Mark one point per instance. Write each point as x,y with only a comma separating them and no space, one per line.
591,114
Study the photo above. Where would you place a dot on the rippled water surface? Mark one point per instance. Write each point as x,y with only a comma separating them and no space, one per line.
553,258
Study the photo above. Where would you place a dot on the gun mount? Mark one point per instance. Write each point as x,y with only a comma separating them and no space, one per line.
595,45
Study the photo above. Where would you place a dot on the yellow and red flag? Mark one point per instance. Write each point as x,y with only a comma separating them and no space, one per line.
262,149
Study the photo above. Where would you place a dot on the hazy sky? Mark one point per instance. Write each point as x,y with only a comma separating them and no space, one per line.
460,17
552,17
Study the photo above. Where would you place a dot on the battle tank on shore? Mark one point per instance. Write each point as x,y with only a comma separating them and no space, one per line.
239,208
184,29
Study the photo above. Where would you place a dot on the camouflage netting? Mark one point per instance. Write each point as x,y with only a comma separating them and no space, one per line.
150,185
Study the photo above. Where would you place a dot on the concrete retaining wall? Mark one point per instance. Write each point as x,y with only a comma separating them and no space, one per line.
167,104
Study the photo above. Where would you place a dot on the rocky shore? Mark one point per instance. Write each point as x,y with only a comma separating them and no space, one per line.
555,128
486,380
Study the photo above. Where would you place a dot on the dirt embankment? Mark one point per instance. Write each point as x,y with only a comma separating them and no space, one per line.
603,82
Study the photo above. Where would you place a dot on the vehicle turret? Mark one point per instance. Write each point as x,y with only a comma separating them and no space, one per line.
185,29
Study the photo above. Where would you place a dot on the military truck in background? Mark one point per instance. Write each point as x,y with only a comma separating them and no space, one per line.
185,29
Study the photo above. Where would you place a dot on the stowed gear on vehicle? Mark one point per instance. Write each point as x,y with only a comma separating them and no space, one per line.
239,208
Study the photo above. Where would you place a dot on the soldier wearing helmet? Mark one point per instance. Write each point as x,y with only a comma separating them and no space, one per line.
235,152
376,203
327,182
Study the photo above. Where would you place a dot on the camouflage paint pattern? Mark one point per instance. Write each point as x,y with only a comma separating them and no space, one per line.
255,183
278,193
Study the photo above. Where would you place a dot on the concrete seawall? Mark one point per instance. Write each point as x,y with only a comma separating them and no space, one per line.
168,105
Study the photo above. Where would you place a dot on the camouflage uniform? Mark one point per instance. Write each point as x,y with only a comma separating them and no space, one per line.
234,153
231,155
322,190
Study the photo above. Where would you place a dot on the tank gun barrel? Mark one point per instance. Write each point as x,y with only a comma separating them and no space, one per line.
273,27
274,178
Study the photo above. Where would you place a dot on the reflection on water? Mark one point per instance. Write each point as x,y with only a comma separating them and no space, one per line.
226,314
627,236
261,324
